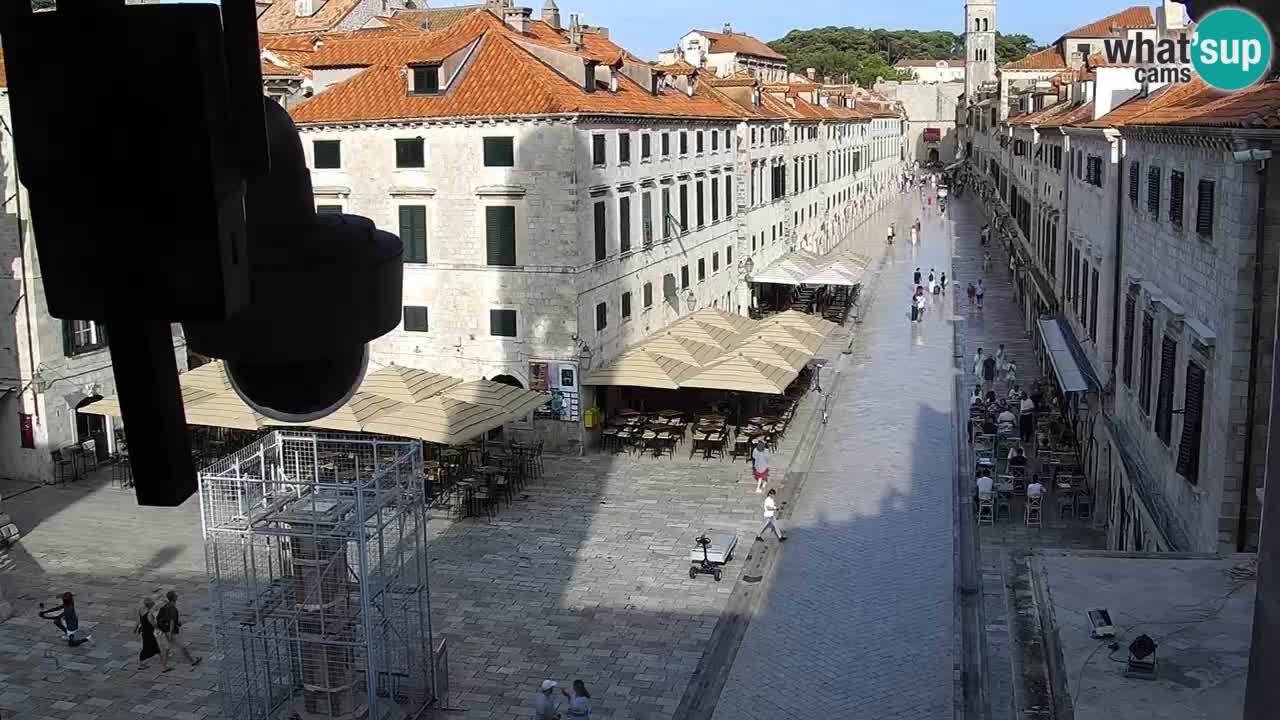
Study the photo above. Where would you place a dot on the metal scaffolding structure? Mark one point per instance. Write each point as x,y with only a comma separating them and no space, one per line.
316,550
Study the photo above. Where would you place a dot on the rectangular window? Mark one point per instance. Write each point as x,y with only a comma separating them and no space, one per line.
626,306
1164,398
715,141
411,153
499,152
1192,416
702,269
1144,369
666,144
699,143
1175,198
728,196
413,232
624,224
646,218
728,256
666,213
502,323
602,316
727,140
684,208
1130,317
328,154
598,150
646,149
1093,308
601,229
1153,192
648,295
415,319
1204,208
426,80
328,209
500,235
715,262
715,198
698,199
624,148
1134,176
684,277
684,142
82,336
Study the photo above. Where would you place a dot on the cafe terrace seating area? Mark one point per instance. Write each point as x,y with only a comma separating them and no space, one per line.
811,284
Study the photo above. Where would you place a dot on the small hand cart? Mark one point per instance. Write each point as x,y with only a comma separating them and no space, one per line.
710,551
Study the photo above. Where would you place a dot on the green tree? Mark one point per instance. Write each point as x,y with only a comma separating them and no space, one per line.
864,54
43,4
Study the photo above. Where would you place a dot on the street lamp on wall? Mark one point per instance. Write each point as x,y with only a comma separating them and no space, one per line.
745,268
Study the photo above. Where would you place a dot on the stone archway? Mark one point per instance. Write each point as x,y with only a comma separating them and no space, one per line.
933,156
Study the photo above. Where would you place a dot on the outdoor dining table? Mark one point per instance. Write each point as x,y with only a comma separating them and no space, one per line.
707,442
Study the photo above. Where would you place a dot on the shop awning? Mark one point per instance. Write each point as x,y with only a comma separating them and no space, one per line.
1065,367
404,402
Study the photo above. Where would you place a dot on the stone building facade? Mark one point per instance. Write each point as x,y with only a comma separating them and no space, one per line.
548,232
930,107
728,52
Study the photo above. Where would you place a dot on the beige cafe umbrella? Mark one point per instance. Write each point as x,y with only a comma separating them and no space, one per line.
111,406
790,337
803,321
515,402
641,369
704,333
773,354
740,373
439,419
683,349
407,385
718,318
351,417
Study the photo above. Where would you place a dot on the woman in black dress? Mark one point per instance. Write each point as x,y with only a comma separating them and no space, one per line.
147,629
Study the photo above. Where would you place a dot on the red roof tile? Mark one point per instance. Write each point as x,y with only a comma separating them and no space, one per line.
1047,59
1199,105
740,43
1131,18
436,18
280,17
1136,106
1076,114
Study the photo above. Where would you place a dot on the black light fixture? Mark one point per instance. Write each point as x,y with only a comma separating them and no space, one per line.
197,212
1142,659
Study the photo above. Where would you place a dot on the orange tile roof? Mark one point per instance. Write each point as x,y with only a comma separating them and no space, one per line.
281,18
738,79
1131,18
436,18
1199,105
270,69
1076,114
740,43
1138,105
1047,59
368,48
678,69
401,22
501,79
4,76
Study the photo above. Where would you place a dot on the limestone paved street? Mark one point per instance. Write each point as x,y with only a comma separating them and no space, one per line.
858,619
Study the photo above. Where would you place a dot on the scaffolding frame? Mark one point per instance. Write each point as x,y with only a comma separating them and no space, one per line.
317,558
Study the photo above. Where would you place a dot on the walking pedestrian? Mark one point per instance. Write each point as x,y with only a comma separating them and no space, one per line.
1027,419
147,630
915,277
989,373
921,302
972,292
66,619
979,292
579,700
978,357
546,707
943,280
1011,372
985,235
1000,358
169,623
760,464
771,518
986,261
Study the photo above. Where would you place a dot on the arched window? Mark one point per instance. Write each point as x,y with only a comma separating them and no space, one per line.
986,24
977,23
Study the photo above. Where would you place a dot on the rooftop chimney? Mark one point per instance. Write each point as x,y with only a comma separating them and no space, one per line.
728,29
575,32
517,18
589,78
551,14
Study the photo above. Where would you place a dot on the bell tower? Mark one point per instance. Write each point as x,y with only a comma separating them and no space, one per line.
979,45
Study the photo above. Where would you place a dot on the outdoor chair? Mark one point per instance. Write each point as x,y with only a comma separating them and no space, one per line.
1004,508
64,468
1066,505
986,509
1031,515
1084,505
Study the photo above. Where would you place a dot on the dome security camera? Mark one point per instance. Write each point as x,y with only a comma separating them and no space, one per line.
323,286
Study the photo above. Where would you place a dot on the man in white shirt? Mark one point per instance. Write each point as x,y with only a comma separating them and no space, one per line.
771,517
985,484
1035,489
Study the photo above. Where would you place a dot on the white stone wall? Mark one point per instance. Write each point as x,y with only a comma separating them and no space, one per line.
1090,230
367,9
1207,283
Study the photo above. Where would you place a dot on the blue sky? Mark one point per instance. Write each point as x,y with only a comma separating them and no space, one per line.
646,26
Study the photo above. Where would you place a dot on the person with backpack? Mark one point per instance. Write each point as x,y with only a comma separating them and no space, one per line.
64,618
169,624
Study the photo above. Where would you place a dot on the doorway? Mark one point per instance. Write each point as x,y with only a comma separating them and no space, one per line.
933,156
93,427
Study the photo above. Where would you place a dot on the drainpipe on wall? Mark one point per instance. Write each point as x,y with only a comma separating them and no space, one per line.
1255,330
1118,272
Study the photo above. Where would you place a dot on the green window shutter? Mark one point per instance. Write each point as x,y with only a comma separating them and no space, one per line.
500,235
413,232
1164,400
1188,465
600,232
